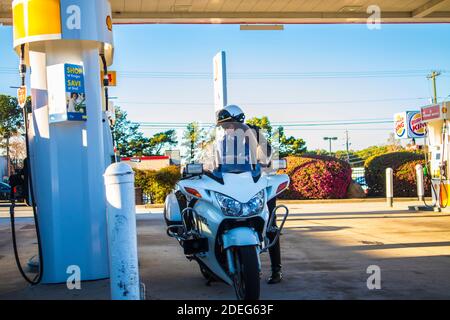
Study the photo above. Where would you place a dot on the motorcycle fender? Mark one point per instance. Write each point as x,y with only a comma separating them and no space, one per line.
172,210
240,237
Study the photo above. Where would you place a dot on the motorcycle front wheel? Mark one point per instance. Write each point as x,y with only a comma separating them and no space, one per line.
246,280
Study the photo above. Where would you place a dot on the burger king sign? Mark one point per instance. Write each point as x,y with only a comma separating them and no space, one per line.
400,125
409,124
416,127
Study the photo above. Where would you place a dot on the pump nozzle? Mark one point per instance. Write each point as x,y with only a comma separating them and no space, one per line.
425,171
443,169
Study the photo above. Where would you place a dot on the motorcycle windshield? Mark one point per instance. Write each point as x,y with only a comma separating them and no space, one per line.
233,148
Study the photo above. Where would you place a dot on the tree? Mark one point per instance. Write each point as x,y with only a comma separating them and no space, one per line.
286,146
290,146
262,123
372,151
17,150
161,140
193,137
357,158
11,121
129,140
317,152
394,144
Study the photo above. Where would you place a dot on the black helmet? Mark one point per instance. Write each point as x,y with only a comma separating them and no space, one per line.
231,113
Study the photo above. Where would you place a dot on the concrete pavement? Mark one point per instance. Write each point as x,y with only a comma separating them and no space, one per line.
327,248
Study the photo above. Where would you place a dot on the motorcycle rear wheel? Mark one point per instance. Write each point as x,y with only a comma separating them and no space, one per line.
246,280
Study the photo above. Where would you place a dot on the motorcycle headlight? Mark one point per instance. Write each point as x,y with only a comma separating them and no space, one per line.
255,205
234,208
229,206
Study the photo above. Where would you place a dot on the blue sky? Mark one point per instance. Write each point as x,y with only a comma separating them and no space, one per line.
313,49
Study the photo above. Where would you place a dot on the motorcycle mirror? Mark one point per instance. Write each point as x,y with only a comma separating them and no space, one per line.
280,164
194,168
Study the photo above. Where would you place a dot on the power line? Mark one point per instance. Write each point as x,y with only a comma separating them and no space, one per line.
341,129
287,130
264,75
287,127
338,123
277,75
292,123
176,104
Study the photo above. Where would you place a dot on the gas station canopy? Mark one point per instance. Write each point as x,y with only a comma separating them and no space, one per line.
268,11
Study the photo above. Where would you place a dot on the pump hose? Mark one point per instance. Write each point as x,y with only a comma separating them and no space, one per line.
426,172
444,174
27,166
443,186
105,82
433,190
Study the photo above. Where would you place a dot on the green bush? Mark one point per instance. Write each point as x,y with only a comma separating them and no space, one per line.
317,177
405,184
157,184
402,163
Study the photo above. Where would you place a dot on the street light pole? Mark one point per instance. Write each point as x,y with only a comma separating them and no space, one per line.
329,140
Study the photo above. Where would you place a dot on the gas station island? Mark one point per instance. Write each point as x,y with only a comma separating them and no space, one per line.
430,125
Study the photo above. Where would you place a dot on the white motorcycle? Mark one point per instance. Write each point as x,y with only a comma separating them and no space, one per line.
221,220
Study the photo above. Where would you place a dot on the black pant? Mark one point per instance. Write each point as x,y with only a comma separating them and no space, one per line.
275,251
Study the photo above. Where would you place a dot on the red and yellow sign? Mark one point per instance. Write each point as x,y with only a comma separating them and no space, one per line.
112,78
431,113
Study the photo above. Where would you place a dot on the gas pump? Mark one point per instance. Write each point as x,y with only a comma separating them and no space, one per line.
436,118
67,44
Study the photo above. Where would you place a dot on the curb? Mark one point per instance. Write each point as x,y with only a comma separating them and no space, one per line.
362,200
321,201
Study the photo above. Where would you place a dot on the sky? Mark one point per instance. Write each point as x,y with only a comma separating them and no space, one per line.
301,75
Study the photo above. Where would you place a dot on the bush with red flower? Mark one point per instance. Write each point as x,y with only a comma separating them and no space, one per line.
317,177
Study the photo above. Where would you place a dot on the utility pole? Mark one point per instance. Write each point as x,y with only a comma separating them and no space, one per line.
8,161
329,139
347,146
433,77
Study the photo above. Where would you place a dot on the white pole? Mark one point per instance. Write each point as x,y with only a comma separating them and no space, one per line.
420,182
122,238
390,187
220,81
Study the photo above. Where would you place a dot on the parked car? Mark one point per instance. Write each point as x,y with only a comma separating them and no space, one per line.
5,190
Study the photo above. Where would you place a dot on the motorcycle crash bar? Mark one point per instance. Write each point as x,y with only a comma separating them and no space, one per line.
272,228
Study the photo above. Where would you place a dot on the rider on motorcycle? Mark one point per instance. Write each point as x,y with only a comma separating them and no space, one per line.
234,114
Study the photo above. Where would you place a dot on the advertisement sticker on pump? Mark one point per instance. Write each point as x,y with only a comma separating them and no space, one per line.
75,95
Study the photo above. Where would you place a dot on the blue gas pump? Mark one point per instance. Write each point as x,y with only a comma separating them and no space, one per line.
67,44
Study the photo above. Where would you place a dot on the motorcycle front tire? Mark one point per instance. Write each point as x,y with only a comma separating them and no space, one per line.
246,280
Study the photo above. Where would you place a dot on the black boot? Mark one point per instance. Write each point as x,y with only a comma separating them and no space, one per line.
275,250
276,276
